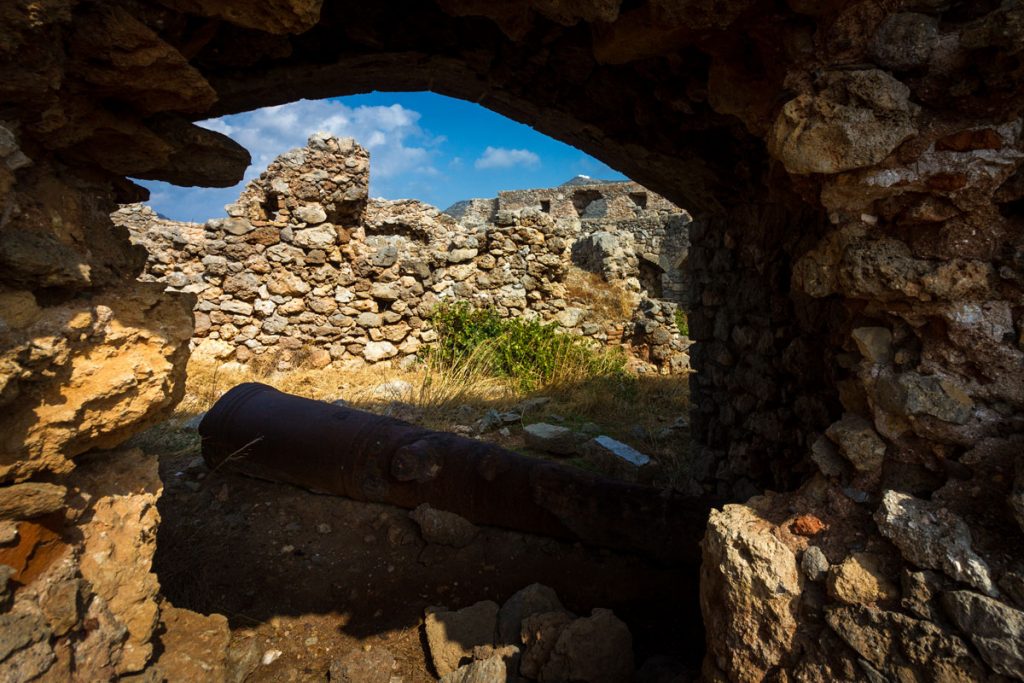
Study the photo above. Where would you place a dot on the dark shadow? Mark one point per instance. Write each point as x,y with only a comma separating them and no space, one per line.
253,550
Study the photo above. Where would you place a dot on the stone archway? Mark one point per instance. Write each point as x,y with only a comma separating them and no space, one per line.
856,274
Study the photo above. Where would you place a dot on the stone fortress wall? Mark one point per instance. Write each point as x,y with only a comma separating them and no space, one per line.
310,269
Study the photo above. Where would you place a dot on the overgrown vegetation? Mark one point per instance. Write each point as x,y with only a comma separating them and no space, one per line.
529,353
682,322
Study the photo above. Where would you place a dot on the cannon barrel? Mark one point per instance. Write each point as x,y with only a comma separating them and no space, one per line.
257,430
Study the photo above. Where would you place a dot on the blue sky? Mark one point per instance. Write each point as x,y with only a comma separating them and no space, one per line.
422,146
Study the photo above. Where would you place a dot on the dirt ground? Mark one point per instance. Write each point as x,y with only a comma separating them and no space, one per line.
315,576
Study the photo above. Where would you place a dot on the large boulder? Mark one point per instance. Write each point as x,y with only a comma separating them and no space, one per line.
749,591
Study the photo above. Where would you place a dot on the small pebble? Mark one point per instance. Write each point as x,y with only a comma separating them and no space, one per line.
8,532
285,549
270,656
312,640
323,528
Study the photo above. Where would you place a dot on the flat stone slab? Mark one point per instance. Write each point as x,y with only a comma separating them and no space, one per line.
623,451
551,438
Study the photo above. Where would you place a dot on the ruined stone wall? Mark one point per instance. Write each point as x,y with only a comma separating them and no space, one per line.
308,270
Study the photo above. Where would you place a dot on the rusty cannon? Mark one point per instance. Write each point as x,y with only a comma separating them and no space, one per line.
257,430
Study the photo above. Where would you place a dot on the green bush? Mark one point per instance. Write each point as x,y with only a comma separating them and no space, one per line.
528,352
682,322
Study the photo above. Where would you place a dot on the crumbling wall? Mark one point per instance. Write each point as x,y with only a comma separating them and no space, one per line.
310,271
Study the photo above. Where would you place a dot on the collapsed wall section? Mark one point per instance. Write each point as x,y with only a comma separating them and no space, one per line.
307,270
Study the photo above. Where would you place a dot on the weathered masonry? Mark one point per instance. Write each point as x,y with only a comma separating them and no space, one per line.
307,266
857,263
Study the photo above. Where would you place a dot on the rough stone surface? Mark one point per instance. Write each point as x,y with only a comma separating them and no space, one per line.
874,343
551,438
1016,498
540,632
359,666
490,670
195,646
119,543
307,259
995,629
859,580
904,648
534,599
446,528
452,636
597,648
122,351
852,120
932,537
24,501
858,442
750,585
814,563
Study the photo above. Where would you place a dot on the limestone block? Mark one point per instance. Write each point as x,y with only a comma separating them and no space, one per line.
102,368
749,589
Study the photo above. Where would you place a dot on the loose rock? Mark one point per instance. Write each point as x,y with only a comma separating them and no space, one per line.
997,630
491,670
446,528
551,438
814,563
859,580
858,442
452,636
534,599
597,649
932,537
361,666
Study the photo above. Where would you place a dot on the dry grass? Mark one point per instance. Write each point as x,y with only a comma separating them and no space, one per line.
631,408
608,301
432,392
436,391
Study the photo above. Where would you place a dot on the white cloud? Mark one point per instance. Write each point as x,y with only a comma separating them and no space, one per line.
502,157
397,144
402,154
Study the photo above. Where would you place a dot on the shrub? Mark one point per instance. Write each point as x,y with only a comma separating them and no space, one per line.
529,353
682,322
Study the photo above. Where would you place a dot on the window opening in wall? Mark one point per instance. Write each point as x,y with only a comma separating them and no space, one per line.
371,265
582,201
639,198
650,278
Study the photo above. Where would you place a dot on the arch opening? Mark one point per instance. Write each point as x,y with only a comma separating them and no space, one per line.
853,292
